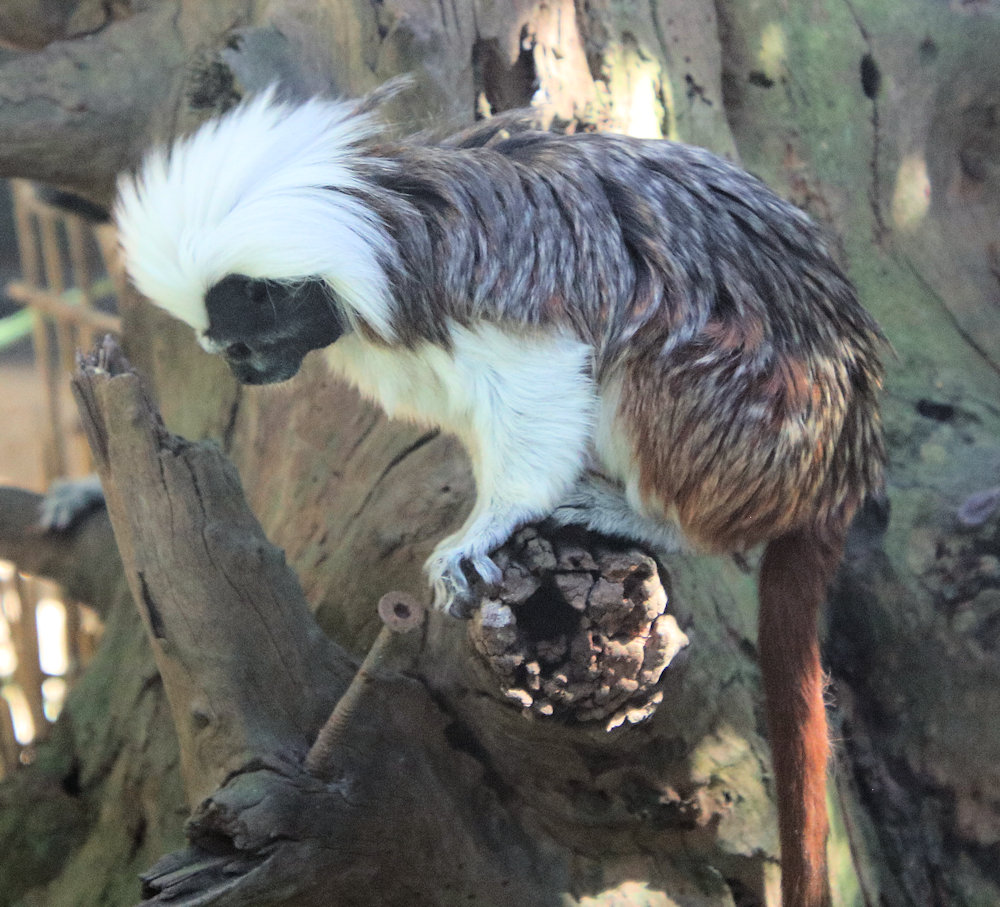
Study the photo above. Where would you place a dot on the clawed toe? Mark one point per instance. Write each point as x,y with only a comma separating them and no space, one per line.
452,589
488,571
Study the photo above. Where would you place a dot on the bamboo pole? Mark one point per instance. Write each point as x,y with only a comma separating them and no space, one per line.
24,634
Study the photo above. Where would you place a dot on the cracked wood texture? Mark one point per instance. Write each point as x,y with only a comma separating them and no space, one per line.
246,670
250,678
881,120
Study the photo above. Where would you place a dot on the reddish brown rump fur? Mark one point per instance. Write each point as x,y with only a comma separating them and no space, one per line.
744,453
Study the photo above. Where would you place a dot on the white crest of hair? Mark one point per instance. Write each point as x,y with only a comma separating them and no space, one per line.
261,191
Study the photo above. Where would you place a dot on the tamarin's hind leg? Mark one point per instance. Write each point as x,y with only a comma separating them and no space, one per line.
600,505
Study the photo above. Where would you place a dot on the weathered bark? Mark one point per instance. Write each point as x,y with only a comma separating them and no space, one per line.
84,561
31,24
250,676
247,690
880,120
872,116
102,796
78,112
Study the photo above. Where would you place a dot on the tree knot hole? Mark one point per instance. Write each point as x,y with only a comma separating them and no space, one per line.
546,615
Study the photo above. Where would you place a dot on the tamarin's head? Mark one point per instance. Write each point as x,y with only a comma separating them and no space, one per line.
251,231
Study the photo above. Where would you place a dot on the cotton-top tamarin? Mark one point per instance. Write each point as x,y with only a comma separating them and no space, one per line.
631,335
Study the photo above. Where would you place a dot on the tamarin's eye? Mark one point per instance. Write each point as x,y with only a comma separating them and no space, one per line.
238,351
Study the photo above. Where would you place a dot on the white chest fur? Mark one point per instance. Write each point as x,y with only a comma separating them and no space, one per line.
527,409
523,404
529,394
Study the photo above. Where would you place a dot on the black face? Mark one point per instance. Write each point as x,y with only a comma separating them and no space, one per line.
266,327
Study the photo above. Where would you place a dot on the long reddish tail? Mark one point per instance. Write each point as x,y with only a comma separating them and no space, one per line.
793,581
